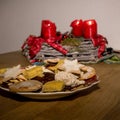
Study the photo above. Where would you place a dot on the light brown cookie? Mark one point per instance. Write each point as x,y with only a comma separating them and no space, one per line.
87,72
26,86
55,60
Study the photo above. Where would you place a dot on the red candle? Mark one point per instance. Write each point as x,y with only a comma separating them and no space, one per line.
90,28
48,29
76,28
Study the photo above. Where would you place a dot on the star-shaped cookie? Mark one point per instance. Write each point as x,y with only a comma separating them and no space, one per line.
71,66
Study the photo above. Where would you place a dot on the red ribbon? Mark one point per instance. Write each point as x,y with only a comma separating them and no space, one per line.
34,45
55,45
100,42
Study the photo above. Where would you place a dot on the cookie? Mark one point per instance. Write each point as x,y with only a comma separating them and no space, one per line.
53,86
33,72
68,78
26,86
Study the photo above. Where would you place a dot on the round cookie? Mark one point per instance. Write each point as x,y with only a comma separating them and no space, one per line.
26,86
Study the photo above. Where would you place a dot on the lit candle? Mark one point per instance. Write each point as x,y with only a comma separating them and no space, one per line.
89,28
76,28
48,29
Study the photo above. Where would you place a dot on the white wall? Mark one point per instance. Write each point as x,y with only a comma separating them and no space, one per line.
20,18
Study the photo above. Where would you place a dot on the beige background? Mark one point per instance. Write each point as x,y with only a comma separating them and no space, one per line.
20,18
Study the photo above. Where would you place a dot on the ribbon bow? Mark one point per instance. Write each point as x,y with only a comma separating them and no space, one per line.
34,45
100,42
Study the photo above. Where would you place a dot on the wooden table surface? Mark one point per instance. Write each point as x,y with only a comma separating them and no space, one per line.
100,102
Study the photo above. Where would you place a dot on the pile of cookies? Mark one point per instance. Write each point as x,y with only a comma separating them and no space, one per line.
54,75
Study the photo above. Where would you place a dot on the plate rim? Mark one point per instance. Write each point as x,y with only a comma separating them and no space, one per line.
50,94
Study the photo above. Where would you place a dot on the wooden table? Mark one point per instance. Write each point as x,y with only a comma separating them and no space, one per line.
101,102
